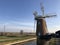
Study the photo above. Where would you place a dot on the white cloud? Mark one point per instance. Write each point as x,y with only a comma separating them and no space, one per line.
54,29
17,26
26,26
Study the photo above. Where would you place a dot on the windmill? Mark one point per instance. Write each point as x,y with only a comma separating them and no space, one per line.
41,27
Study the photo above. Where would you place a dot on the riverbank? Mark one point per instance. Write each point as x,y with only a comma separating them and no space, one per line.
23,41
7,40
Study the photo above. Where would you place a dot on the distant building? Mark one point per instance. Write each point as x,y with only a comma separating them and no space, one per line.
21,31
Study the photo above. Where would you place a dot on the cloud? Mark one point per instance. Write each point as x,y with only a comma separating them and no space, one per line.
54,28
31,24
17,26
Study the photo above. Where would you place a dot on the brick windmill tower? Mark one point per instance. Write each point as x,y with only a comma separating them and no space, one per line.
41,27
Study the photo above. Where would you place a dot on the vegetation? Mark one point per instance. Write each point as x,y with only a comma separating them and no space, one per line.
4,39
52,41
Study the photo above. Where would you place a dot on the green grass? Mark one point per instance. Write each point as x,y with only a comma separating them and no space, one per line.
13,38
52,41
19,38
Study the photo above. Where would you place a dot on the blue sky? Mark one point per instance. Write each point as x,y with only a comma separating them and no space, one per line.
18,14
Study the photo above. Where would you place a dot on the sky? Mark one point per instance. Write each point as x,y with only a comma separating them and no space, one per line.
17,15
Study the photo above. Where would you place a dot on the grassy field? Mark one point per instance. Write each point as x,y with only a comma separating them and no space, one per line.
52,41
9,39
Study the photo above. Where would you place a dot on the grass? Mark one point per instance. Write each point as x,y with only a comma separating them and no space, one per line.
9,39
52,41
13,38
